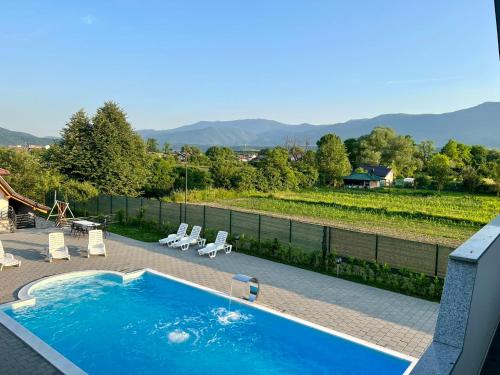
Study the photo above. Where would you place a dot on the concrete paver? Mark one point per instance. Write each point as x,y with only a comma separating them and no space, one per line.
392,320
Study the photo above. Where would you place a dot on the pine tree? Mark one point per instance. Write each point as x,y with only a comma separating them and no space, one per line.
74,155
121,162
105,152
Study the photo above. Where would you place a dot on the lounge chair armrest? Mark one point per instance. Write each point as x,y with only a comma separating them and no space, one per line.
202,241
8,256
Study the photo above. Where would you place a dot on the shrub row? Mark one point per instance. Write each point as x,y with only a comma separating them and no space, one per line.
370,273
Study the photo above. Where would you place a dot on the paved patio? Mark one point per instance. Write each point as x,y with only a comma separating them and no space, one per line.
388,319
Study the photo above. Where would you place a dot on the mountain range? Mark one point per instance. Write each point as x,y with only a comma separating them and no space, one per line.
475,125
14,138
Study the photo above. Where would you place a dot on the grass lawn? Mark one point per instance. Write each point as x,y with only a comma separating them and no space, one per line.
145,234
447,218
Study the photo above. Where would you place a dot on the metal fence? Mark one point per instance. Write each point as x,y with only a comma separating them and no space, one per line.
427,258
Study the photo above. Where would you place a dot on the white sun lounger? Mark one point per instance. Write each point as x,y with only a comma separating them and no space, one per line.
57,249
193,239
96,243
219,244
7,259
171,238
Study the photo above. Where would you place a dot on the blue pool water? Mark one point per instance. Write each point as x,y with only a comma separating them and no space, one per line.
154,325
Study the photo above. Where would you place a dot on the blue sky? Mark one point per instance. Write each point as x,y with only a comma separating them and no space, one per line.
170,63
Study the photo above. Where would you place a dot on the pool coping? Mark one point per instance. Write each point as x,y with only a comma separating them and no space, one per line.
67,367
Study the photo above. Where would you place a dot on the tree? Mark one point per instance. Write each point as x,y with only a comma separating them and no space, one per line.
166,149
383,146
75,155
152,145
374,148
307,170
198,178
403,158
296,152
119,155
426,149
224,165
72,190
245,178
216,154
332,160
104,151
352,148
479,155
458,153
422,181
496,176
275,171
195,155
470,179
440,169
28,176
161,178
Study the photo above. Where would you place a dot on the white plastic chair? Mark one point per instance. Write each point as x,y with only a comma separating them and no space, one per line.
96,243
193,239
171,238
7,259
219,244
57,249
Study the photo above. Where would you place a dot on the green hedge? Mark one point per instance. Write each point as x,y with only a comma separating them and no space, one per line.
366,272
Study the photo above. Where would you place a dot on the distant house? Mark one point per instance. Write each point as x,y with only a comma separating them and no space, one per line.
386,174
19,209
247,157
362,180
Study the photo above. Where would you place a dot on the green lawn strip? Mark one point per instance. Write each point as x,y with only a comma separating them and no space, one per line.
144,234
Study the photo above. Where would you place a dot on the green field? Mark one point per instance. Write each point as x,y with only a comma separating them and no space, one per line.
446,218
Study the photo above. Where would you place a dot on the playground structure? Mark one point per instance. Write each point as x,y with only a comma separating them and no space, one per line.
61,211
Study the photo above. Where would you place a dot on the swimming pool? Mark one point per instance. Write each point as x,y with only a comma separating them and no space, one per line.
154,324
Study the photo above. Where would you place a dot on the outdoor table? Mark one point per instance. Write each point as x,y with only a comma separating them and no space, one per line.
86,224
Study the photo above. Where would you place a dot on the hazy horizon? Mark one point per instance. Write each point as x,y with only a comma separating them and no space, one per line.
231,120
170,64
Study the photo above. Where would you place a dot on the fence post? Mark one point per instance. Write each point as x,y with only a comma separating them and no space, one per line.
180,213
126,208
324,243
159,215
230,222
111,204
290,240
437,260
97,205
376,248
258,234
329,240
204,218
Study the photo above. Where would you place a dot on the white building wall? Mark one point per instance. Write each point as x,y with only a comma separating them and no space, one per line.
4,202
